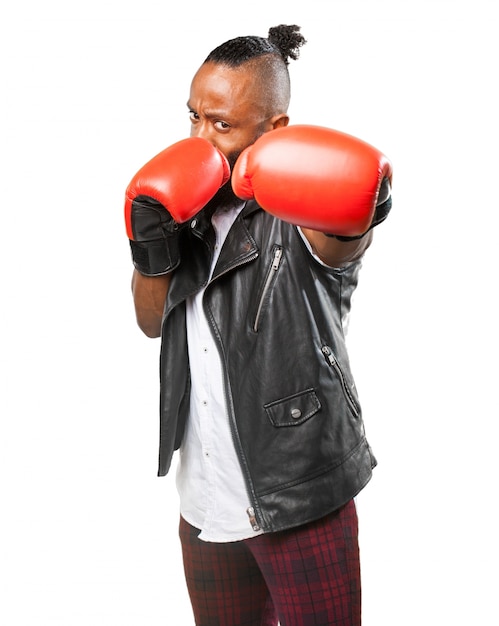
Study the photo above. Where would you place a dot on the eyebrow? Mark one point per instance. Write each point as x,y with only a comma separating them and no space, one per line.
221,115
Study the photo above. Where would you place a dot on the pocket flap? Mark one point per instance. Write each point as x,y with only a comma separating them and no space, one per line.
293,410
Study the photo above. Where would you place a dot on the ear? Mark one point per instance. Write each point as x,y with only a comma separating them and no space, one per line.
279,121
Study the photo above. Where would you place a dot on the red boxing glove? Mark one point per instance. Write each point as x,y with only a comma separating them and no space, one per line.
183,178
165,193
314,177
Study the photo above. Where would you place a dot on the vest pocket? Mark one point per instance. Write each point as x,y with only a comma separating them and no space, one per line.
293,410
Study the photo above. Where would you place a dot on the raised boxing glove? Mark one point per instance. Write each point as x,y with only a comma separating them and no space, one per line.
317,178
164,194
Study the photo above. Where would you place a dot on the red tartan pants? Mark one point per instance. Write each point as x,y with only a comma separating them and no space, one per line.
305,576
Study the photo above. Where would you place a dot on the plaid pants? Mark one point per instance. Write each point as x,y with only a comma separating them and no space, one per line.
305,576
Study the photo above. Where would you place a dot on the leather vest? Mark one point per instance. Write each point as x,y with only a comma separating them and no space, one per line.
277,317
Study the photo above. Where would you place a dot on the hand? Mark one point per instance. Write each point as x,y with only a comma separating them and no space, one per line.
164,194
314,177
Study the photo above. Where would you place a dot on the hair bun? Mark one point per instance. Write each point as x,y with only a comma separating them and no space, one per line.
288,40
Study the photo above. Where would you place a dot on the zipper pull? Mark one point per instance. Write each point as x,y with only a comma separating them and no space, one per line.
277,259
328,355
252,518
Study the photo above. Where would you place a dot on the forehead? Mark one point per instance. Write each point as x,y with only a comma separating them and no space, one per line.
218,86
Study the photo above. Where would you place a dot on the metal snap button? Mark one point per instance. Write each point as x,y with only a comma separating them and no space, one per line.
295,413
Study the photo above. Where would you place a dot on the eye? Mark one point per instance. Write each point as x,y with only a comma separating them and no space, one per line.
222,126
193,116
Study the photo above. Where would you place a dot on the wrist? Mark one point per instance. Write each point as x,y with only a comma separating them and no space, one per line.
157,257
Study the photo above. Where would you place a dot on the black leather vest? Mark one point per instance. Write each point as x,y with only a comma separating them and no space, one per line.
277,318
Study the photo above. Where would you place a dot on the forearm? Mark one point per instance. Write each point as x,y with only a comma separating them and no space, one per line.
149,295
334,252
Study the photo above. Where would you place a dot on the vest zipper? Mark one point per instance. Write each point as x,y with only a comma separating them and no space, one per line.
276,261
252,518
228,402
333,362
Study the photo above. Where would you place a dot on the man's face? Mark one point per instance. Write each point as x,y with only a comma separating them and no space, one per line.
227,108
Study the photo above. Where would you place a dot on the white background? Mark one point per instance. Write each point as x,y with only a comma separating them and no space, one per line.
89,92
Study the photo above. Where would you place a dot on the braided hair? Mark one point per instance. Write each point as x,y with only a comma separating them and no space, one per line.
283,41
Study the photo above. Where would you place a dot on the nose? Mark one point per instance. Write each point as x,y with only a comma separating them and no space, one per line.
202,129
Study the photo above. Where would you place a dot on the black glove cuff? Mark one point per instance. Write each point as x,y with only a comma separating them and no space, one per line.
154,258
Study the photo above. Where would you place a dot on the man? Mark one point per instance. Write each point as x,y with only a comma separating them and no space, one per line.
248,282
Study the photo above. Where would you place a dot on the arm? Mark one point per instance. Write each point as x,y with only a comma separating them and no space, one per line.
334,252
149,295
160,199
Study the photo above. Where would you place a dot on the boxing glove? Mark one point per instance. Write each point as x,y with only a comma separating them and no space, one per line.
164,194
317,178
